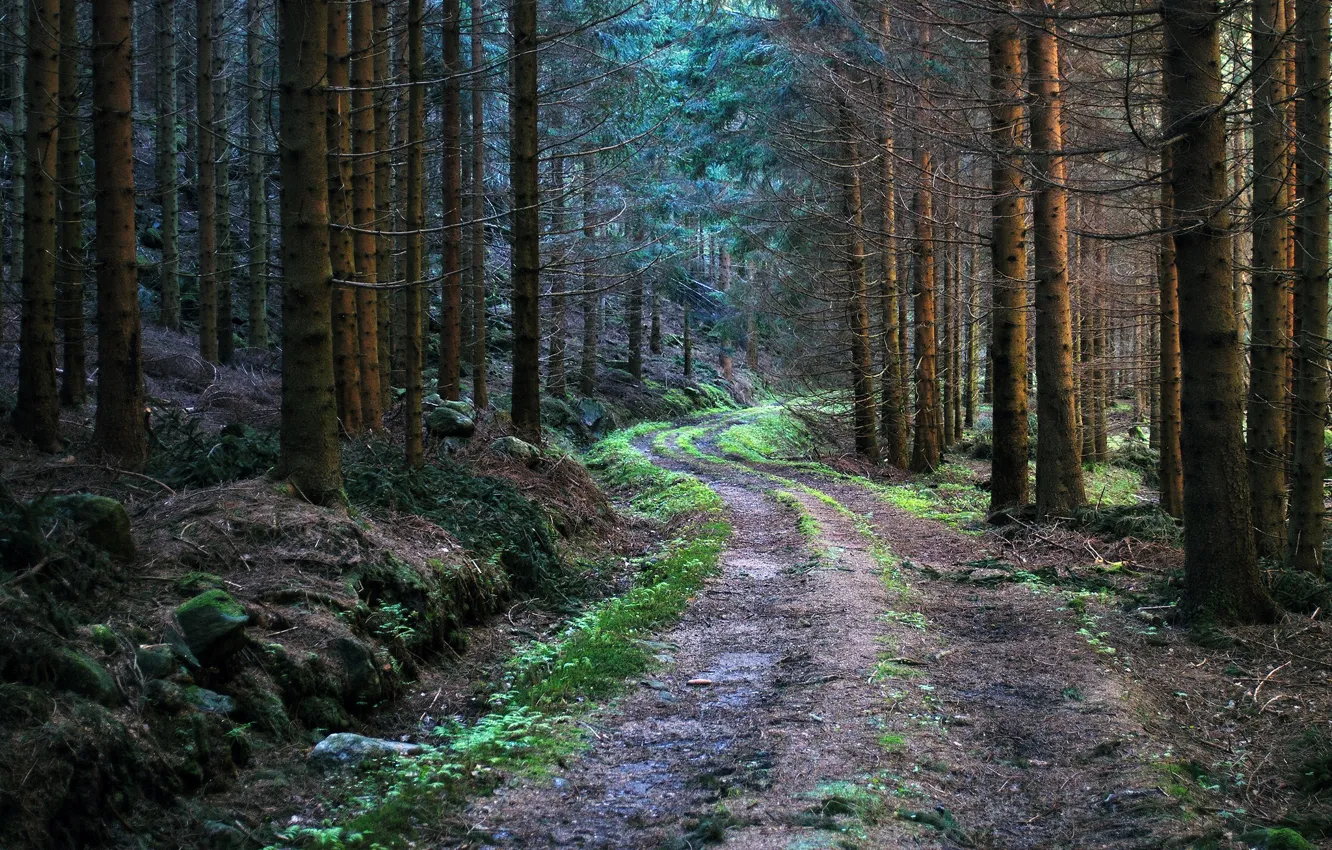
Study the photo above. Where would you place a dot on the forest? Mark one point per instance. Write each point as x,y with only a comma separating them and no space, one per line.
782,424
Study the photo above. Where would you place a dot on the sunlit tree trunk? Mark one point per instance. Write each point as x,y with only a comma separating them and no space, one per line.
450,310
1220,562
37,411
1304,549
69,215
1172,468
310,456
120,430
364,240
1008,347
925,451
525,265
346,331
892,404
257,172
168,196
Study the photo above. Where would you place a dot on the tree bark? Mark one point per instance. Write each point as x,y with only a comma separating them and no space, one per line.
168,196
207,180
1008,347
257,172
413,351
365,242
1172,469
310,456
384,214
925,451
857,308
346,330
1220,562
556,353
480,394
69,234
119,429
525,265
587,373
1304,548
226,337
450,310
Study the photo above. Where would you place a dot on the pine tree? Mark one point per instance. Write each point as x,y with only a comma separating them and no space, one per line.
69,215
480,395
207,181
346,331
365,242
168,194
257,173
450,316
525,265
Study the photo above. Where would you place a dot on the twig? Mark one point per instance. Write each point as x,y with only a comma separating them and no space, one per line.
1264,682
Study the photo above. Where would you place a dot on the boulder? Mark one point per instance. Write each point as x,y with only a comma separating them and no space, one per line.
77,673
445,421
212,624
343,749
209,702
363,686
157,661
519,450
165,696
591,413
466,408
323,713
103,521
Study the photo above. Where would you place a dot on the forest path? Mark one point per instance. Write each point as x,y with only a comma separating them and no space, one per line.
811,698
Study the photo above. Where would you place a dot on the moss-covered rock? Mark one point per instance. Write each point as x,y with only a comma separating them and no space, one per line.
445,421
323,713
209,702
157,661
1275,839
79,674
519,450
103,521
363,683
103,638
258,702
213,624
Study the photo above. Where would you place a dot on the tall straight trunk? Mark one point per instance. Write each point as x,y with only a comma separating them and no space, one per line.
310,455
1154,359
892,401
1309,415
751,339
119,430
654,335
724,351
587,373
480,396
19,157
414,353
1059,486
959,377
857,308
257,174
1008,346
1087,363
37,412
974,312
947,341
384,220
1101,385
398,314
207,181
225,258
1220,562
364,240
69,214
346,331
555,377
925,451
1172,464
168,196
687,345
634,319
450,304
525,264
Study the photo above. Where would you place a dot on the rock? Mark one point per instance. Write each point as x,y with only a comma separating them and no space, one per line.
432,400
517,449
220,836
363,685
466,408
157,661
444,421
323,713
213,624
77,673
591,413
343,749
165,696
104,638
103,521
151,238
557,413
209,702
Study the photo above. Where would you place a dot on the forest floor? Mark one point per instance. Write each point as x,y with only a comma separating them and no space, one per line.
865,671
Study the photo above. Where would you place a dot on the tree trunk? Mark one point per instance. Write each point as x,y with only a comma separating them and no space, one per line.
1172,469
559,331
480,396
414,353
587,378
69,235
525,266
364,240
225,258
1309,414
857,308
1220,562
892,404
18,157
120,430
654,336
346,331
1008,347
926,450
309,433
384,214
37,411
974,313
687,345
257,172
634,318
168,196
207,181
1058,466
450,305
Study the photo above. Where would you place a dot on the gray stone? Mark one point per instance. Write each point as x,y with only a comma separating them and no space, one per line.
157,661
344,749
445,421
210,702
213,624
517,449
